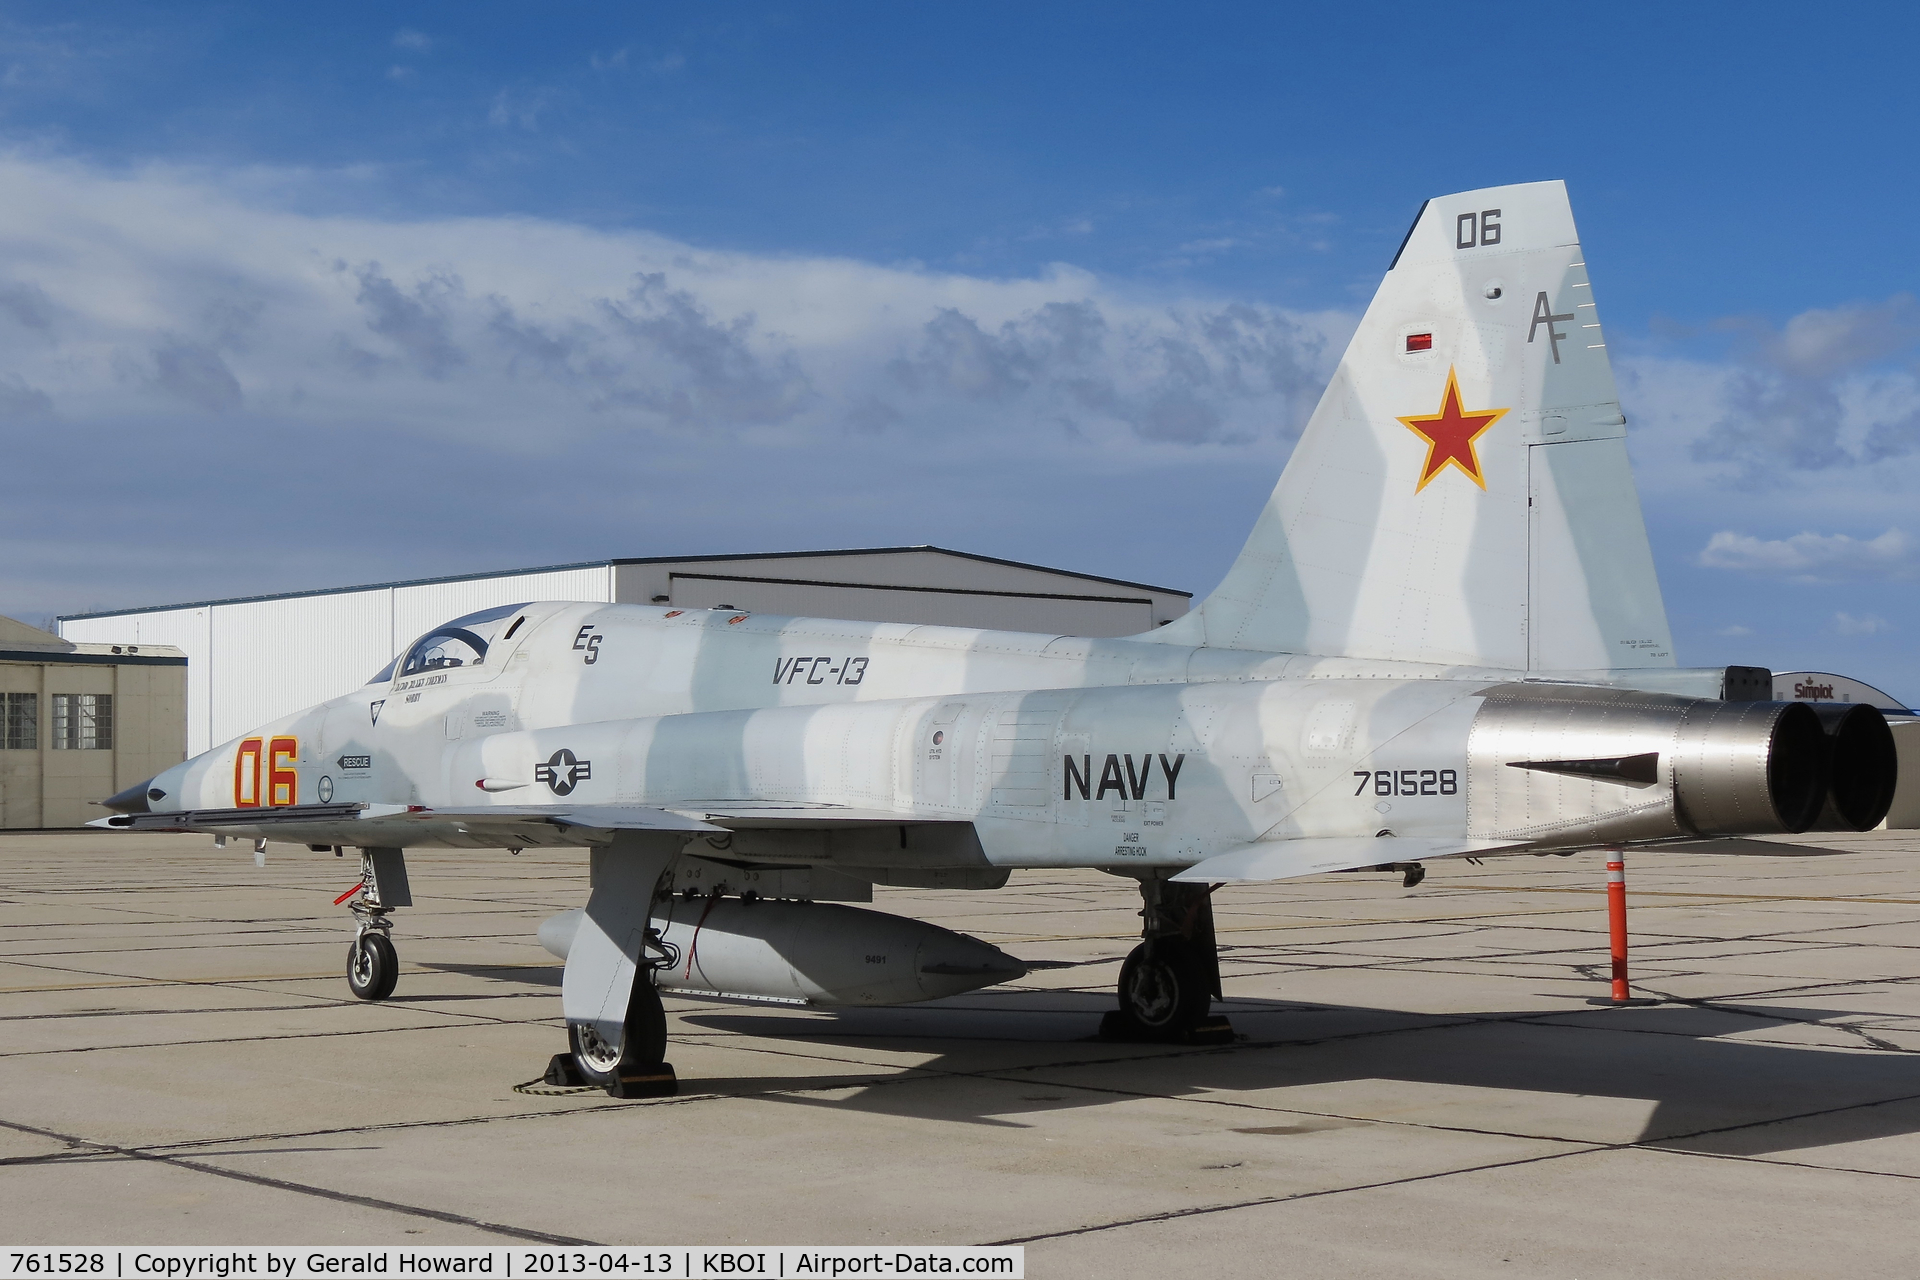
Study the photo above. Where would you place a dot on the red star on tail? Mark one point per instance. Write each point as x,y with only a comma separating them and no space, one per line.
1450,434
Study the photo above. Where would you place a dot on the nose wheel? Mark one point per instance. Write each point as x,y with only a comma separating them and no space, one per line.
373,967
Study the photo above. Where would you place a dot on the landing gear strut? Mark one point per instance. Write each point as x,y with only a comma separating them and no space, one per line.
616,1027
1169,981
373,966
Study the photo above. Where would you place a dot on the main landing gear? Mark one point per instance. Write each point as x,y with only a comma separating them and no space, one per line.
373,966
616,1027
1170,980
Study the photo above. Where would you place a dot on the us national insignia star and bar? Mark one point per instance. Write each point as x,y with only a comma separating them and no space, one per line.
1450,434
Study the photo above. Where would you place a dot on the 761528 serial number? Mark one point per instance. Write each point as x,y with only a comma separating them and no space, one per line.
1409,782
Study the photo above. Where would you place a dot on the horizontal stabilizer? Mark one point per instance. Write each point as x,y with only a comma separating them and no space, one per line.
1287,859
1750,848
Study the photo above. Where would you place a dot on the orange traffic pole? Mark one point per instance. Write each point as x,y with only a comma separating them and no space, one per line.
1617,921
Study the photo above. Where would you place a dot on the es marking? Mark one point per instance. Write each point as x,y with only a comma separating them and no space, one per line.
589,644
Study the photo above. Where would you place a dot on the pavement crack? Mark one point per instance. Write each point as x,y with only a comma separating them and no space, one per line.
298,1188
1197,1211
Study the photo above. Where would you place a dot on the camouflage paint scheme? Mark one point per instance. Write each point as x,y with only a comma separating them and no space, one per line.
1457,520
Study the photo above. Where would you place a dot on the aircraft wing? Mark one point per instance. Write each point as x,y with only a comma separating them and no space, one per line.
1312,856
746,814
376,825
1287,859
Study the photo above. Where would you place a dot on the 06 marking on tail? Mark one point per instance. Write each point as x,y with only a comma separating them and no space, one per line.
1450,434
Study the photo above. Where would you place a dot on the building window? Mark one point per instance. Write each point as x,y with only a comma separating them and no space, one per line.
83,722
22,729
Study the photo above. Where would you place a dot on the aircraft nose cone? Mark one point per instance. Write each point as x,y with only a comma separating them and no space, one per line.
957,963
132,800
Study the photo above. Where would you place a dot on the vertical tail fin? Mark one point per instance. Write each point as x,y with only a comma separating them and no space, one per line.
1461,494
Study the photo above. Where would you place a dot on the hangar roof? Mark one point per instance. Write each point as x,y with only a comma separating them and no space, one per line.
20,642
636,560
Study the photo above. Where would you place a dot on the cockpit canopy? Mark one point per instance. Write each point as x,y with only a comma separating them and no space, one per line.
461,643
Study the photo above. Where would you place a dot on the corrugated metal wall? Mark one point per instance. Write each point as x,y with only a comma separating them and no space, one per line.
255,660
270,657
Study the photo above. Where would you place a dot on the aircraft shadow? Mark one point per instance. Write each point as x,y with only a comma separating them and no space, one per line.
1709,1093
531,975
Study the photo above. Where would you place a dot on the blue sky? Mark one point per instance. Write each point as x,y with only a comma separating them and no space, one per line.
302,296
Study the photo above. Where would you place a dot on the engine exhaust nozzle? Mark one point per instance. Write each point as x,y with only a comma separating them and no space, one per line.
1750,768
1863,767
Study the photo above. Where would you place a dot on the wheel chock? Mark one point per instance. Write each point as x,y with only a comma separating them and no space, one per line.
1119,1026
1214,1030
562,1073
645,1082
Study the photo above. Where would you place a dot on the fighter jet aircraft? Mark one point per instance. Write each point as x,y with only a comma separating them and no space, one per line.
1443,638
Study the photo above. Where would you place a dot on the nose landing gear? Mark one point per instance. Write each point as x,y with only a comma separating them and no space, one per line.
1169,981
373,966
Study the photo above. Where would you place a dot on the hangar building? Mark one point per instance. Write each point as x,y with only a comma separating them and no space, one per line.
81,721
256,658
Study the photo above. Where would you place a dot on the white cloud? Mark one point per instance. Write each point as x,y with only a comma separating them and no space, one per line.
1812,556
133,294
1864,625
1825,393
385,375
519,108
1828,340
1736,630
1216,245
414,41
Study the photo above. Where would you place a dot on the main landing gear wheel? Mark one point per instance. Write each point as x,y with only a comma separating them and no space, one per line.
1165,987
372,966
636,1067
